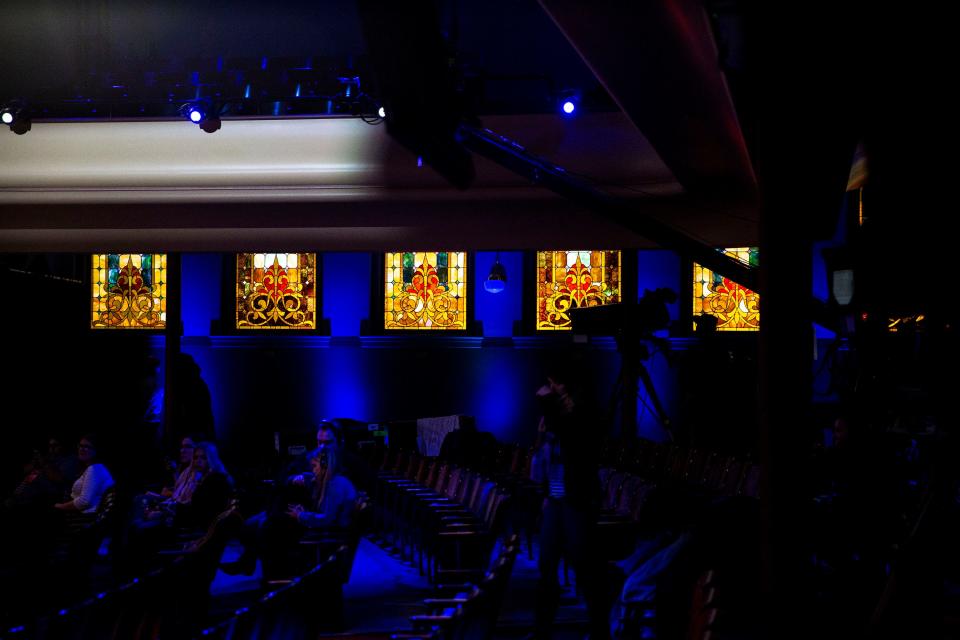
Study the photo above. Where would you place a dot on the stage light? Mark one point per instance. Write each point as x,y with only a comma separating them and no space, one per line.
382,112
15,116
497,280
201,115
568,102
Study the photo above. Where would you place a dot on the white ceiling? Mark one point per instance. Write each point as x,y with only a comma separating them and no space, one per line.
323,183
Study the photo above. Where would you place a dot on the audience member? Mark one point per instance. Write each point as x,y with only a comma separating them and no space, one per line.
46,477
572,487
88,490
332,497
300,472
151,508
189,407
185,476
212,492
469,448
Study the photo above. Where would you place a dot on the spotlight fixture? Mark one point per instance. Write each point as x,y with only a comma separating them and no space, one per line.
201,115
568,102
382,112
497,280
15,116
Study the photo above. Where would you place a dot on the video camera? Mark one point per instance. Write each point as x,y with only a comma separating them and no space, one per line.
626,320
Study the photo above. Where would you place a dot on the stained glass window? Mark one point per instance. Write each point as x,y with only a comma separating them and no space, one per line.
735,307
129,291
570,279
276,290
425,290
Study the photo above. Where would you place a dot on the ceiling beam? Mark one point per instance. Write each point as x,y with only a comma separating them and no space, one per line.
659,63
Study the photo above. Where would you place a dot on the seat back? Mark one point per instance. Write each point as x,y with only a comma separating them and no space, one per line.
467,485
482,611
612,495
432,470
703,608
473,499
485,495
361,523
295,609
440,480
453,483
413,466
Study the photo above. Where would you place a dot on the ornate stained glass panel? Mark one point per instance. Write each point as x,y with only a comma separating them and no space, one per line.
425,290
129,291
276,291
570,279
736,308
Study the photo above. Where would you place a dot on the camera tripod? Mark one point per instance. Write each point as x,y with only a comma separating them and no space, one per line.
633,372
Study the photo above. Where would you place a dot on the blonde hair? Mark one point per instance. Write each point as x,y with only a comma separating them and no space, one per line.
332,468
213,458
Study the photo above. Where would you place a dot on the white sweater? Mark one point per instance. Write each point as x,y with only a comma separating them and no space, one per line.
90,487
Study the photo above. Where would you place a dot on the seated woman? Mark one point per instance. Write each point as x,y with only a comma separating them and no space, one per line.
88,490
185,476
195,509
185,480
201,493
212,491
331,507
333,495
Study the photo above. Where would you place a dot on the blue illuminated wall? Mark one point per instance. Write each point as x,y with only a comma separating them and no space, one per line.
201,287
346,291
498,311
659,268
284,381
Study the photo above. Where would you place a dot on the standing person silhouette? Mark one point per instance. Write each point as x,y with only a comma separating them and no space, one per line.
570,508
188,405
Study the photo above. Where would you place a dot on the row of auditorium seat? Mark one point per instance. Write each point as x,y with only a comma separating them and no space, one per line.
444,515
169,601
301,606
468,608
729,475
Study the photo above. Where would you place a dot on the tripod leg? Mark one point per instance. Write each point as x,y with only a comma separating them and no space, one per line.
644,377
